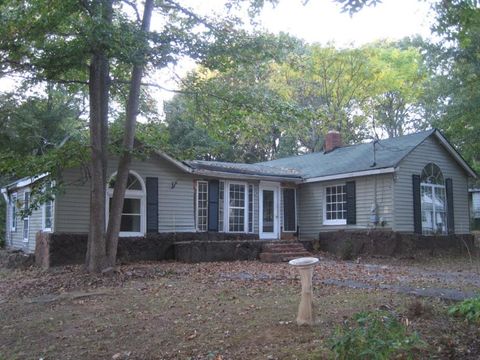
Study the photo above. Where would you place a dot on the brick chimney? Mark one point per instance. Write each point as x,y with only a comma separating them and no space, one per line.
333,140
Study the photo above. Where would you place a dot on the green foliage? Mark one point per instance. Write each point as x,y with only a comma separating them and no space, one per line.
258,107
375,336
456,82
468,309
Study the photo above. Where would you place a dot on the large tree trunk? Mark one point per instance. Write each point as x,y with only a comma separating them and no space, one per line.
115,214
96,257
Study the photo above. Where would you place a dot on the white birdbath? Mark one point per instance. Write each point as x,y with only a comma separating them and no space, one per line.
305,267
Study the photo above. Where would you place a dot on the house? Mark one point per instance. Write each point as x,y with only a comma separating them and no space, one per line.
410,184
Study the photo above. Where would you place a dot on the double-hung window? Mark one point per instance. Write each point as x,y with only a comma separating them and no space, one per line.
26,218
48,210
133,220
202,205
237,201
13,212
335,210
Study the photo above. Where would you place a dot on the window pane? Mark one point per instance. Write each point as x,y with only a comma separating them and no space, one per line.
130,223
202,205
131,206
268,210
335,203
250,208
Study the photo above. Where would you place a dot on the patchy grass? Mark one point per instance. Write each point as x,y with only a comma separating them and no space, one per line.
241,310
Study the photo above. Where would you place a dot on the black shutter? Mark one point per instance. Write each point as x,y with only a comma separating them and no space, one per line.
213,186
289,210
152,204
417,205
351,203
450,214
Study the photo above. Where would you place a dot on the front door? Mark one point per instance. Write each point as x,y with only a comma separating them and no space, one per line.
268,212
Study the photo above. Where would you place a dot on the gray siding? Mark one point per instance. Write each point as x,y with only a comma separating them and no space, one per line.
310,198
175,197
14,238
429,151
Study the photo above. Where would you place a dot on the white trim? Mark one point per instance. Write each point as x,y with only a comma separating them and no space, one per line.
226,210
5,194
44,228
235,176
27,218
253,209
13,202
130,194
175,162
23,182
336,221
196,207
283,210
351,174
455,154
275,187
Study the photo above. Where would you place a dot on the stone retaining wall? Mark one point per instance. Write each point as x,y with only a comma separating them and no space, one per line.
201,251
56,249
351,243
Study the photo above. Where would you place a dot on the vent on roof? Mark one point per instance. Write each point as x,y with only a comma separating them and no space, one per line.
333,140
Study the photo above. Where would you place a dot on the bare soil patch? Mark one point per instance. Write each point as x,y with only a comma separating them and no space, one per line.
238,310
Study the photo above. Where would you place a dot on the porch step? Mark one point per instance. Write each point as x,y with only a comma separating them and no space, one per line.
281,252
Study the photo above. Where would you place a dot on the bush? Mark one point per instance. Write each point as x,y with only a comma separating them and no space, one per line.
468,309
373,335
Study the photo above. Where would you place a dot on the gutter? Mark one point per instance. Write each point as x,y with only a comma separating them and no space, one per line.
388,170
229,175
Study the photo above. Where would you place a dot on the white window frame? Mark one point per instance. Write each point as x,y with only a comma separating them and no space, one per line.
335,221
226,209
130,194
13,212
283,210
44,216
434,188
252,220
26,219
197,206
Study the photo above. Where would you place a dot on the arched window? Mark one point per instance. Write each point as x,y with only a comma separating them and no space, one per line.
133,215
434,209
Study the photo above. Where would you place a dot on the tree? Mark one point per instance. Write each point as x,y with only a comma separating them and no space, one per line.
456,81
396,106
94,44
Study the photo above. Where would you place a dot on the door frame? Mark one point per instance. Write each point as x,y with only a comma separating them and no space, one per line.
275,187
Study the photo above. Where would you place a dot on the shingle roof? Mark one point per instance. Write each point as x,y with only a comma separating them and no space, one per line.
246,169
354,158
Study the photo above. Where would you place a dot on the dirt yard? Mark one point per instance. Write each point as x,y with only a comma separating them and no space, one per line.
241,310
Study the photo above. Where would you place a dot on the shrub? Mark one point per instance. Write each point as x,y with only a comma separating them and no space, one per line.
373,335
468,309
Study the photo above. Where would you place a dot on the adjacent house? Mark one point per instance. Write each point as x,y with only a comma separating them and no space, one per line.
410,184
475,207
